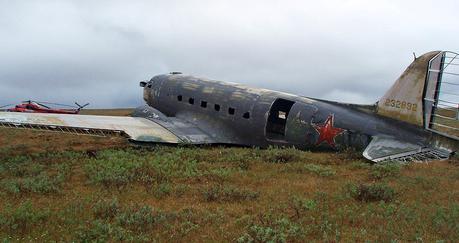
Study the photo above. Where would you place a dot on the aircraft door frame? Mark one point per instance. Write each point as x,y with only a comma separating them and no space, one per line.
276,122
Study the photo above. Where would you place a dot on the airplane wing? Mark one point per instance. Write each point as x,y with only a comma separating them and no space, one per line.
383,148
147,125
134,128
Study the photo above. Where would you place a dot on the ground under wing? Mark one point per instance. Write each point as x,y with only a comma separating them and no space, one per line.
135,128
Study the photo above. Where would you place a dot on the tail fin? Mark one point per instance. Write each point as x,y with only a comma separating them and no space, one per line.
404,100
427,94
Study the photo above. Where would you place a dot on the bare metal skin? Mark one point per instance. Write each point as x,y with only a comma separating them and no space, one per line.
230,113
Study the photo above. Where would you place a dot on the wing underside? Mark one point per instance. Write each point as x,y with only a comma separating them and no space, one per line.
383,149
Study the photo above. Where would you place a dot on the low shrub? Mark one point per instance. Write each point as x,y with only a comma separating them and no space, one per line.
103,231
350,154
426,183
228,194
278,230
24,174
280,155
162,190
372,192
300,205
242,158
106,209
37,184
361,165
119,167
216,174
446,222
41,184
139,218
23,217
112,169
320,170
380,171
181,189
97,231
20,166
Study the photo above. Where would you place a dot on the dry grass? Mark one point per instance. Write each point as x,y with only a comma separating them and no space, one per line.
107,112
115,192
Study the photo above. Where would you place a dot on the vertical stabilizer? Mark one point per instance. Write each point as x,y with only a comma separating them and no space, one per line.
404,100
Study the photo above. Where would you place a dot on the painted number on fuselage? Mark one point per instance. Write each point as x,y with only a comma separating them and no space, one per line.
402,105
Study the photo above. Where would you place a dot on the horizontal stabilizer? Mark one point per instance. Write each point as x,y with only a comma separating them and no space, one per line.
383,149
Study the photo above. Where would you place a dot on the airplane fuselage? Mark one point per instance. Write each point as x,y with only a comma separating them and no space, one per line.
261,117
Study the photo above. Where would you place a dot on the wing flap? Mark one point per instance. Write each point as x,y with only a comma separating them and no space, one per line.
135,128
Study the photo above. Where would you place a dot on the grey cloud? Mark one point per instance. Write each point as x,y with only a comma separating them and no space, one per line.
97,51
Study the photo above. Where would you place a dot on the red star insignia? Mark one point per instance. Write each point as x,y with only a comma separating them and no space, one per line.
327,132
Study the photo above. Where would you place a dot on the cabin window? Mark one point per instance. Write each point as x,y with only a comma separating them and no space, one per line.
282,115
217,107
231,110
179,98
191,101
246,115
203,104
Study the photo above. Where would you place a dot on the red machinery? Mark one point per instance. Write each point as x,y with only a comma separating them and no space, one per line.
39,107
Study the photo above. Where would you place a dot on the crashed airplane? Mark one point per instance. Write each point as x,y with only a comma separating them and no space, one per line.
416,120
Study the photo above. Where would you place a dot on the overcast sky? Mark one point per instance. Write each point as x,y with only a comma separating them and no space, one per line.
98,51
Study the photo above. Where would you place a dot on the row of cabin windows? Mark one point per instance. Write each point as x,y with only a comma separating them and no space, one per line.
231,110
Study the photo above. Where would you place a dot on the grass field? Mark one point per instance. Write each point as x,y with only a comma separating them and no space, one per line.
57,187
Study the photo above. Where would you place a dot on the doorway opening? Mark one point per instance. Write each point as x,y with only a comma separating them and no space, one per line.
277,119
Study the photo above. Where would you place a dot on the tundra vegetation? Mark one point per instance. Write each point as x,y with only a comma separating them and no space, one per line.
56,187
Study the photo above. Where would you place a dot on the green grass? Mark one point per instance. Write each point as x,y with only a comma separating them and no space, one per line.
35,174
22,218
215,194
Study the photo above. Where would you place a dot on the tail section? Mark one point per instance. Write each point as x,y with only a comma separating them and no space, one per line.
427,95
404,100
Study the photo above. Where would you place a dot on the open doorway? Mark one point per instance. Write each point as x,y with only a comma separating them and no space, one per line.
277,119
